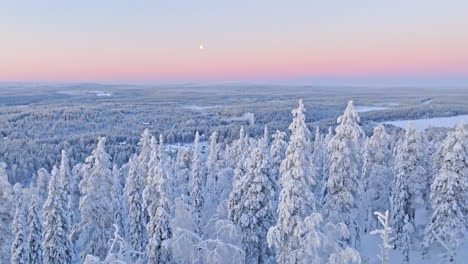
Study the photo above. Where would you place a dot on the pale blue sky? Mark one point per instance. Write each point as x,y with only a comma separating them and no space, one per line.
119,40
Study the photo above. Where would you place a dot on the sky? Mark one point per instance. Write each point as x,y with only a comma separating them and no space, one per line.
258,40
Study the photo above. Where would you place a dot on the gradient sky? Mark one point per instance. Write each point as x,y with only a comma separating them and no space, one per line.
158,41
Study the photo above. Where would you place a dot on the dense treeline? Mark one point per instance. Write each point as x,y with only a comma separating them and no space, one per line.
267,199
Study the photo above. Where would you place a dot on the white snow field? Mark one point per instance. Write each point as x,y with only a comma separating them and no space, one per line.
424,123
362,108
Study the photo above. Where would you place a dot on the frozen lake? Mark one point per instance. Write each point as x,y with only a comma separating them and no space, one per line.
422,124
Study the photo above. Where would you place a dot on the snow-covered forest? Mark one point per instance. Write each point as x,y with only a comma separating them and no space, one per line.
296,196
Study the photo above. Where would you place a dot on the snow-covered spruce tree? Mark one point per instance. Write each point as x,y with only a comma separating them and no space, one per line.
237,148
213,158
65,175
322,243
136,215
56,245
265,138
296,200
318,154
377,174
158,250
6,214
148,189
335,251
239,175
326,161
119,252
75,193
447,224
219,177
277,155
35,232
408,182
96,205
146,147
120,212
19,248
405,244
254,213
42,186
196,190
385,235
181,169
343,187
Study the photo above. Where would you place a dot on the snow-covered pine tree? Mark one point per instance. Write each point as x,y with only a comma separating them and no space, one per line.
181,172
213,157
322,243
19,248
326,162
408,182
406,234
136,214
447,224
237,148
296,199
158,250
239,173
75,193
343,186
265,138
148,190
6,214
377,174
254,213
65,175
56,245
196,190
318,154
146,147
277,155
120,212
219,177
35,232
96,204
42,186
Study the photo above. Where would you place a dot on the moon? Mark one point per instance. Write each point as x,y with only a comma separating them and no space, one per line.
201,47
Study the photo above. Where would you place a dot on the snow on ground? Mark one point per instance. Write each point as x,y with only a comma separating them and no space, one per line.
369,249
362,108
200,108
249,117
79,92
426,101
422,124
